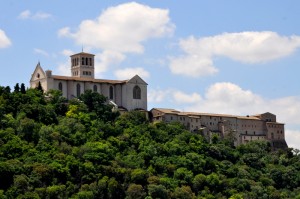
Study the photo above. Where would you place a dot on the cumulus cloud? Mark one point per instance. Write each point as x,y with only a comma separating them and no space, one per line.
292,138
4,40
63,69
184,98
107,58
122,28
158,95
26,14
245,47
128,73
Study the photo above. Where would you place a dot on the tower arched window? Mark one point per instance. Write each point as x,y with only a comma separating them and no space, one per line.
86,61
78,90
60,86
111,92
136,92
95,88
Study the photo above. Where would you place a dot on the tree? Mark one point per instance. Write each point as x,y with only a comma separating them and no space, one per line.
135,191
39,87
17,88
157,191
184,192
23,90
98,104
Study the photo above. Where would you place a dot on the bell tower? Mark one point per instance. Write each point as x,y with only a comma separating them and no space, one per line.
82,65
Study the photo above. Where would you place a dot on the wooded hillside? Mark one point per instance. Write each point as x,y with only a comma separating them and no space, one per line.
54,148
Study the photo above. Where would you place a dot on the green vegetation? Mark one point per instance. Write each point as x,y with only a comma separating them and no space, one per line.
54,148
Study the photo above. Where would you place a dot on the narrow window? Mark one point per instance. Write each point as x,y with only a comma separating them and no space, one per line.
95,88
60,86
91,62
82,61
86,61
136,92
78,90
111,92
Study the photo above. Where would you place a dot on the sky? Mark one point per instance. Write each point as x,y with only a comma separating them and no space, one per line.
231,57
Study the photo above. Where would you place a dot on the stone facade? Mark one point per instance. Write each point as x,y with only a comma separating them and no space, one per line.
242,128
127,94
132,95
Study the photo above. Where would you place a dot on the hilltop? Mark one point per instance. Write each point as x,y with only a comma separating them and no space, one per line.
51,147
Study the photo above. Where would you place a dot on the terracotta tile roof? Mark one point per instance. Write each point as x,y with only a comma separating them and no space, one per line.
210,114
195,114
165,110
248,118
58,77
274,123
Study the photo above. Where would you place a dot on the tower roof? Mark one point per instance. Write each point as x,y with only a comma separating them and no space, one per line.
82,53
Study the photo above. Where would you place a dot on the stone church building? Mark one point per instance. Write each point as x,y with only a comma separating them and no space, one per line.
126,94
132,95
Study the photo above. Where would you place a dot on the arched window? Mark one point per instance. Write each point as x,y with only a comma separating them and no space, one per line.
136,92
82,61
95,88
60,86
78,89
111,92
86,61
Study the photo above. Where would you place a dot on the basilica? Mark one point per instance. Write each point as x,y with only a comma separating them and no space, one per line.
131,94
128,94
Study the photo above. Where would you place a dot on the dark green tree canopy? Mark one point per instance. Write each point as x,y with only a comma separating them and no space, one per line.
51,147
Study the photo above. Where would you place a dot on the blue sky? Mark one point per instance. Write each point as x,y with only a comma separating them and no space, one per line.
232,57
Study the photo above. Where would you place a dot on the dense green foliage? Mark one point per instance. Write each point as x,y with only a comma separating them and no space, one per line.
53,148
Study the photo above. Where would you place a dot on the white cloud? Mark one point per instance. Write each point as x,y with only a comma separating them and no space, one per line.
292,138
67,52
64,32
192,65
107,58
26,14
41,52
122,28
63,69
183,98
128,73
246,47
158,95
4,40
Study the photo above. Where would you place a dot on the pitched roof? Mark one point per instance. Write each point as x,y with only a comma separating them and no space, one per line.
58,77
82,53
193,114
